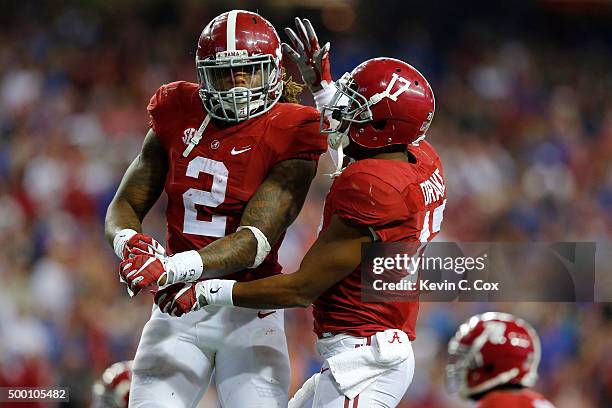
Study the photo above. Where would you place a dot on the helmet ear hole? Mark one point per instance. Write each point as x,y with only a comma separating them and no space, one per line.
489,368
379,124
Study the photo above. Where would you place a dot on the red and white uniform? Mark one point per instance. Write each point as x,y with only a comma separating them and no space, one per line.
208,190
207,193
524,398
386,196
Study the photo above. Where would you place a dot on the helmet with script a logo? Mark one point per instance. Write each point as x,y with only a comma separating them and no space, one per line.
239,63
382,102
491,350
113,390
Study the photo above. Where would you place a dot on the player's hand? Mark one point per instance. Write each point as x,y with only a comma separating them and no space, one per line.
311,59
141,271
141,244
131,243
181,298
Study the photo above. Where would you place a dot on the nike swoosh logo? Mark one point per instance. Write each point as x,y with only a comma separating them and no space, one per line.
235,152
215,291
262,315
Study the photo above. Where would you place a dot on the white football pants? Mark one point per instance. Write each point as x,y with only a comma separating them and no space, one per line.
246,347
386,392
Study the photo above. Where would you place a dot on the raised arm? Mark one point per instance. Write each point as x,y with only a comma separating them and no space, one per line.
140,188
312,61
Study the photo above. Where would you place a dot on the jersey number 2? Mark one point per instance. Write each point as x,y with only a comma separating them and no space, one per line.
213,198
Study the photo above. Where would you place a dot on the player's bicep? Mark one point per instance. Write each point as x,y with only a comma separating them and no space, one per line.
334,255
144,179
279,199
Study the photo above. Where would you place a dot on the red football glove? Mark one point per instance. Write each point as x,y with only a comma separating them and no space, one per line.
142,271
128,242
141,244
311,59
179,298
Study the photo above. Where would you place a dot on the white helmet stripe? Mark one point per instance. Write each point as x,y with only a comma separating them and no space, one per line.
231,30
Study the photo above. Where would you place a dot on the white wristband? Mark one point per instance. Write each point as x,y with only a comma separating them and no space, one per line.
325,95
216,292
121,239
184,267
263,246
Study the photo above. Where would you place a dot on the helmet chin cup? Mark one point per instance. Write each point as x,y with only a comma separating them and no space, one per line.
239,104
241,94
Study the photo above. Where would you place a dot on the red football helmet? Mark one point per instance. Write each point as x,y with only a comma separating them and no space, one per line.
113,390
490,350
382,102
239,63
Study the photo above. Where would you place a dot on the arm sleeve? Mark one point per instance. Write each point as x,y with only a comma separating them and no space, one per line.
366,200
297,136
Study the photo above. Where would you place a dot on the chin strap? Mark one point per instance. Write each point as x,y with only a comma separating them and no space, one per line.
197,137
419,140
338,161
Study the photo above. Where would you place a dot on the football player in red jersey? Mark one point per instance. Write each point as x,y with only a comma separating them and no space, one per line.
113,389
381,111
236,164
493,359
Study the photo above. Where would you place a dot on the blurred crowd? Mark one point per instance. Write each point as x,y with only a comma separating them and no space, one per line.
523,124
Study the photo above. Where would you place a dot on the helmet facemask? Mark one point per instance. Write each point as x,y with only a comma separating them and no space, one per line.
457,367
346,107
236,87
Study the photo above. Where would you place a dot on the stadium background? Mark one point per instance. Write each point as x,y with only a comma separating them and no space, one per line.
523,124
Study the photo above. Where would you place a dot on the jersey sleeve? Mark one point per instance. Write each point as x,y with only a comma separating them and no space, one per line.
162,110
365,199
297,135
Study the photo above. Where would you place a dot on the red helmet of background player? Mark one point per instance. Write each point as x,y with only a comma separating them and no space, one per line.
382,102
239,63
490,350
113,391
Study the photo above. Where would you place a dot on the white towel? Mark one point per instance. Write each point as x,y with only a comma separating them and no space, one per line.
393,346
354,370
305,393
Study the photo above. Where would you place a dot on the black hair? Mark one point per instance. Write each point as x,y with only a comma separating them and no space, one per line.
354,151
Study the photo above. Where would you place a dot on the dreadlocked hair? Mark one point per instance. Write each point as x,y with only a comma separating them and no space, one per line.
291,89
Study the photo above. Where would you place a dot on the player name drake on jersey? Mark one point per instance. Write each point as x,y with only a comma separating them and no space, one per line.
433,189
389,198
209,189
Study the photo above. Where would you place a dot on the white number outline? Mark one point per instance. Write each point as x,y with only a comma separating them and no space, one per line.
213,198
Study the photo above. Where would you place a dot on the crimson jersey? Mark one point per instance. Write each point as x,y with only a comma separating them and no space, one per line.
524,398
399,202
209,189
